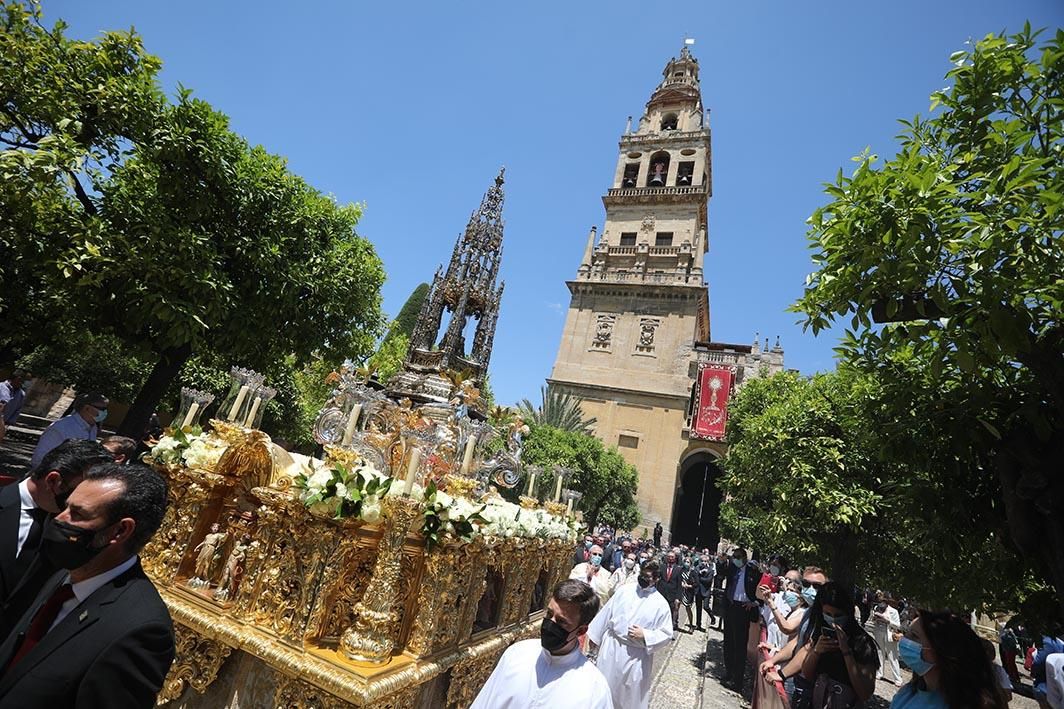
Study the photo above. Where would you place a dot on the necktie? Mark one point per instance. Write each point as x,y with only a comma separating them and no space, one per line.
33,539
42,621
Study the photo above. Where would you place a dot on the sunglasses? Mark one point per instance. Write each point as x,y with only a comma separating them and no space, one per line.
815,584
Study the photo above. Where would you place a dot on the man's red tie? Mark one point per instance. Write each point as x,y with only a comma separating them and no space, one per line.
668,574
42,621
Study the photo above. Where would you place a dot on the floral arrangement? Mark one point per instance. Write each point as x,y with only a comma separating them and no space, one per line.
339,492
194,449
447,516
505,519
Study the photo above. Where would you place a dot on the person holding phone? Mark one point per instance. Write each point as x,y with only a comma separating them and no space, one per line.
842,659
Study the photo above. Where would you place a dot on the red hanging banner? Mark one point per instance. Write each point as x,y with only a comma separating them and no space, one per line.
714,388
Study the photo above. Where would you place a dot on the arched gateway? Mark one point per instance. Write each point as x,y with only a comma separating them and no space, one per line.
696,507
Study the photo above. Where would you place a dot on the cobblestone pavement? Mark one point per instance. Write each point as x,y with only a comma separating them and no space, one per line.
687,676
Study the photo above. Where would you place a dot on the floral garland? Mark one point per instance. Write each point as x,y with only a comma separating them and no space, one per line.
194,449
447,516
340,492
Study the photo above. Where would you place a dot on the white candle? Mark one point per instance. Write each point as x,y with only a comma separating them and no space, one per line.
531,484
235,408
558,489
352,424
191,415
467,460
569,508
411,470
254,410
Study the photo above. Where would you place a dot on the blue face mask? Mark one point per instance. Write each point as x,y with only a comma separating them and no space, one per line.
738,563
911,653
809,594
790,598
587,544
101,415
596,559
832,620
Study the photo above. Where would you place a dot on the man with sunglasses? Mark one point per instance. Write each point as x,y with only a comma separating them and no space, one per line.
89,411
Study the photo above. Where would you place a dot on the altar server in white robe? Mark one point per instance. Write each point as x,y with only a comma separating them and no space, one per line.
635,623
551,671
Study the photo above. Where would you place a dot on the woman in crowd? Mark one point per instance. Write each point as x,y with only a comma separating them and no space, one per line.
842,658
688,581
887,632
950,668
787,609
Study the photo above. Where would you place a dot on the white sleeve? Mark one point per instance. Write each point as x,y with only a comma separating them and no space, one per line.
601,621
661,633
486,698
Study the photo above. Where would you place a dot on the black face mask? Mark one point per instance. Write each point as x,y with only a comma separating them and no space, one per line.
552,636
67,546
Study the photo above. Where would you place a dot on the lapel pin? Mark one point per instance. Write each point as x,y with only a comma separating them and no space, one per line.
83,616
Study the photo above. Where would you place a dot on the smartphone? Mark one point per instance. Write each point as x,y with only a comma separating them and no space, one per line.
827,631
768,580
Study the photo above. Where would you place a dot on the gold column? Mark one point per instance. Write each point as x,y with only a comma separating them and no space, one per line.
369,639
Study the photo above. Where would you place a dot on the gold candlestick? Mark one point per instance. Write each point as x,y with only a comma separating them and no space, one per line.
369,638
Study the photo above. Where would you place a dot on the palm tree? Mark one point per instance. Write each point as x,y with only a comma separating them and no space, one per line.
558,409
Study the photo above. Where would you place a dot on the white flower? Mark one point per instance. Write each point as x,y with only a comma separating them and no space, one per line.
341,491
442,498
320,478
371,514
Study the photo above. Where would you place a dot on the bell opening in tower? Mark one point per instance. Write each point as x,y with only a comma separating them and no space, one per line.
659,169
670,121
631,175
685,173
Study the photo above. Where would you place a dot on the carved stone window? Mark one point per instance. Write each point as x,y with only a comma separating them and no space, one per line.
603,336
627,238
648,328
663,238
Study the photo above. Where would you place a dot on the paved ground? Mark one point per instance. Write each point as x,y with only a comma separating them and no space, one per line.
687,676
15,452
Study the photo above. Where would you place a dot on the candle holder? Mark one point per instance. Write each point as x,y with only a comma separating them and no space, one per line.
557,509
571,498
259,398
417,447
529,503
234,406
193,404
560,474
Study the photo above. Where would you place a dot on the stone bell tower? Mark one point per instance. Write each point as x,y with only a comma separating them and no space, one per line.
638,321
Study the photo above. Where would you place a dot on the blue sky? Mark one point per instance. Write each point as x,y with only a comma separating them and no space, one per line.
411,108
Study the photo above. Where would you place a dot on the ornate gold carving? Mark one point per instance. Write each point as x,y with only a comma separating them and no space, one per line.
529,503
196,663
250,459
468,677
343,583
555,508
370,638
460,486
293,692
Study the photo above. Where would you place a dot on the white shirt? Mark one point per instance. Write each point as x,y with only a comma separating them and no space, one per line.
71,426
84,589
600,582
529,676
622,576
25,520
628,666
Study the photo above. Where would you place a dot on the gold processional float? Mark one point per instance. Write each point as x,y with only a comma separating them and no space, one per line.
389,574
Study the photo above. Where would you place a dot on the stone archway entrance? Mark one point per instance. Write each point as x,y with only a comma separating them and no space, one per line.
697,507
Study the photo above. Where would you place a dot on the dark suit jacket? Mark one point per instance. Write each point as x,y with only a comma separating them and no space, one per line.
670,589
19,582
113,650
753,575
607,556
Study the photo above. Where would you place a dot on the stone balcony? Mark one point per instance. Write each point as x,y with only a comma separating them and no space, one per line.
642,138
682,193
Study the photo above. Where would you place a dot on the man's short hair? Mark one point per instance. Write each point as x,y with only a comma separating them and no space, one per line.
71,459
90,398
580,594
121,445
814,570
143,498
652,566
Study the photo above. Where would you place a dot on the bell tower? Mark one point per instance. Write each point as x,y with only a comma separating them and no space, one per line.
639,301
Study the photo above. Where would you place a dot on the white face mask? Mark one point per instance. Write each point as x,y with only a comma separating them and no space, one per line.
629,564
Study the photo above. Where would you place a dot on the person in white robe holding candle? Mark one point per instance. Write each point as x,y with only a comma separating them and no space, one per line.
551,671
636,623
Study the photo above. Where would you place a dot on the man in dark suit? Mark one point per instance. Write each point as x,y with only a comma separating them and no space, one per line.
609,553
98,634
669,585
582,552
740,609
24,510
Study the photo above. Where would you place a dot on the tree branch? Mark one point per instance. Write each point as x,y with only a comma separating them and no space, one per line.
82,195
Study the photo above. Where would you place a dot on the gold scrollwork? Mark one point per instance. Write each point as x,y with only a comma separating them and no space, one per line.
196,663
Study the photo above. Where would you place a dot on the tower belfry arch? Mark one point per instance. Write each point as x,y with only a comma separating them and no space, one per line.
638,323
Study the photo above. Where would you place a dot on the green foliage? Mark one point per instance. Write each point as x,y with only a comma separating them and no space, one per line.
954,244
407,317
390,356
558,409
811,472
154,222
607,482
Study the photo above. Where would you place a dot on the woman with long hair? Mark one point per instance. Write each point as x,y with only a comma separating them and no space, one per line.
950,668
842,658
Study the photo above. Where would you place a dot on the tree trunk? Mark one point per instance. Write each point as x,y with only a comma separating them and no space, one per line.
162,374
842,546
